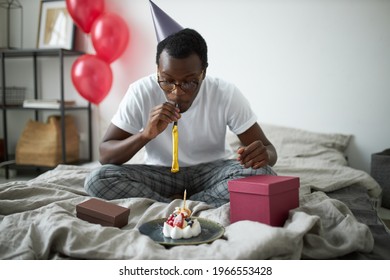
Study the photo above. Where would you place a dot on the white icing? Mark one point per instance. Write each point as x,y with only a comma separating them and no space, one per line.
178,233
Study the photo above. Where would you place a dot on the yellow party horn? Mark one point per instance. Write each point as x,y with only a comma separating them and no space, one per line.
175,148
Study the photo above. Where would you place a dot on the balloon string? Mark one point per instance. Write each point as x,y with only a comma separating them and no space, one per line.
98,118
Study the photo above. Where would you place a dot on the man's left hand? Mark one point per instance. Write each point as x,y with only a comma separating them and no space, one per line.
254,155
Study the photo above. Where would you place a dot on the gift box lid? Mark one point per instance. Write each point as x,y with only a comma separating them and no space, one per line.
102,210
264,184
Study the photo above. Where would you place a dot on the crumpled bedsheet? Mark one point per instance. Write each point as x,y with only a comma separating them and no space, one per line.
38,221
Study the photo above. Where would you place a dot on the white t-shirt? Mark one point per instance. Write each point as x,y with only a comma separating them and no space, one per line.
201,129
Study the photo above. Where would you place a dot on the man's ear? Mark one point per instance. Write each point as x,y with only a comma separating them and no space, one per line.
204,73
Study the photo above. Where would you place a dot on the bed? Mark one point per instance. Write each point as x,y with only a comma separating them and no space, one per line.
336,219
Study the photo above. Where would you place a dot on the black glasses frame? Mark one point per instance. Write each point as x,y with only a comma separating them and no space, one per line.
184,86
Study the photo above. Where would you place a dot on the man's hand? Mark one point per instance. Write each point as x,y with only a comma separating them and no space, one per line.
254,155
159,118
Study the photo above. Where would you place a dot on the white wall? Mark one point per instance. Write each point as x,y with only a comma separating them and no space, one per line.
321,65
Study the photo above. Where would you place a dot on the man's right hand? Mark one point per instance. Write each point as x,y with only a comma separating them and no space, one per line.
159,118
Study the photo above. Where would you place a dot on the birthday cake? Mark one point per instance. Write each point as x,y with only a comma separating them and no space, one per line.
180,225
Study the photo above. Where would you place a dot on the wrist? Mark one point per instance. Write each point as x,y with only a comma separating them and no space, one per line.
145,137
272,156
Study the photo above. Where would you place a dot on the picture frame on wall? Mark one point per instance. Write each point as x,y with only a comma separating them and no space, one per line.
56,28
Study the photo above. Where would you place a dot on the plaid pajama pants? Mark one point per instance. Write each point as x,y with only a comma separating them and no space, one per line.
204,182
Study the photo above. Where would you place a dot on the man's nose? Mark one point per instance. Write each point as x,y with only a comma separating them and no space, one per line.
178,91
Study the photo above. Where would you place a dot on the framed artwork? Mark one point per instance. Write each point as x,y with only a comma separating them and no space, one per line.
56,27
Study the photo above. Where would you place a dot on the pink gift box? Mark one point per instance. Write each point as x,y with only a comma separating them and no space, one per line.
263,198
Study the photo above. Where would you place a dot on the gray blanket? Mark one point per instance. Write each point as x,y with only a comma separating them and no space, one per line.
38,221
38,217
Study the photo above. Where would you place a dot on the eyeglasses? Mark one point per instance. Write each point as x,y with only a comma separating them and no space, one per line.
187,87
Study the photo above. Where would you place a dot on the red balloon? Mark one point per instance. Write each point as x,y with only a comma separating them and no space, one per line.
110,36
85,12
92,77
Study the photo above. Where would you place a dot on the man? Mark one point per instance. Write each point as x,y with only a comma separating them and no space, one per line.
203,107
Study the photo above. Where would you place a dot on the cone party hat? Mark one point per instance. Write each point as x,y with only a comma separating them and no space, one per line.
164,25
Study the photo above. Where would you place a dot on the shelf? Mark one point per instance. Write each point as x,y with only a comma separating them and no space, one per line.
59,54
31,167
66,108
34,170
38,52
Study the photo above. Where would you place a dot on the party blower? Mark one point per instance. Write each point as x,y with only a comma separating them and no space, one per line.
175,148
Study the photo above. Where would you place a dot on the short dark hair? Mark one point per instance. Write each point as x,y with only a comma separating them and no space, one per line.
182,44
